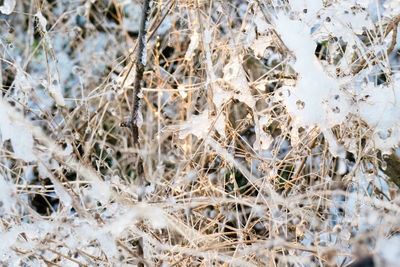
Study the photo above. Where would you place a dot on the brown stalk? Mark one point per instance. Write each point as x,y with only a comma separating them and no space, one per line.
135,111
139,67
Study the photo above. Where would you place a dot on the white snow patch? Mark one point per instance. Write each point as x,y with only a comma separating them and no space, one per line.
61,192
207,37
194,44
7,7
307,8
197,125
42,20
7,200
309,101
55,93
379,108
220,125
235,75
262,25
13,129
182,91
389,250
260,44
335,148
139,119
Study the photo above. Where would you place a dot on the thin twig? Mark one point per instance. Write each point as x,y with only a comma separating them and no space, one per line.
153,31
140,65
134,123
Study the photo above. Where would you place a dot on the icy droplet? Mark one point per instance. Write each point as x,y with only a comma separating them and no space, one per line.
385,134
300,104
336,110
384,165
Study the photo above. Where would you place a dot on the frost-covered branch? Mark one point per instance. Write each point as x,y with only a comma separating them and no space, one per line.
136,119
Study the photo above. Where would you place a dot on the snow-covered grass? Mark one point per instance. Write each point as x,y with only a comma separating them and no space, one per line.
269,133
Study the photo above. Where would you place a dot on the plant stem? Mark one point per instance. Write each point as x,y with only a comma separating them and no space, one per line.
137,95
140,65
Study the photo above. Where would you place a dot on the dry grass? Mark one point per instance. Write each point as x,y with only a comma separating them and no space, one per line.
211,201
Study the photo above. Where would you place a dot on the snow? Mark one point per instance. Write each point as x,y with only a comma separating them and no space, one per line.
197,125
260,44
307,8
323,96
12,128
182,90
235,75
263,139
385,118
389,250
61,192
144,51
384,101
220,125
7,200
23,84
99,191
7,7
335,149
200,125
207,36
131,21
309,101
211,77
262,25
193,45
42,20
56,94
139,119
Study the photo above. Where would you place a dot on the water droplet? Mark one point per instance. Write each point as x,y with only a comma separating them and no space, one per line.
384,165
336,110
385,134
78,71
300,104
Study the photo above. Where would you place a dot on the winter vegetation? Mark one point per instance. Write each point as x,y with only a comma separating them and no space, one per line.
199,132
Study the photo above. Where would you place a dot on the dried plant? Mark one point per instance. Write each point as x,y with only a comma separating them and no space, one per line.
260,133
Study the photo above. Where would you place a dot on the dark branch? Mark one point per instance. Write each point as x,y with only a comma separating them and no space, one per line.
140,65
137,92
